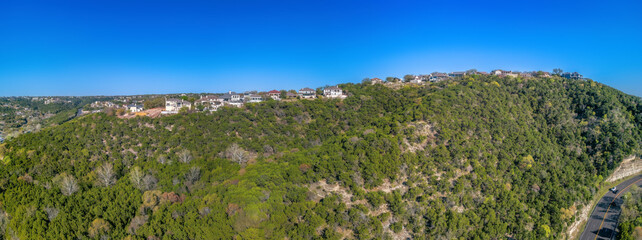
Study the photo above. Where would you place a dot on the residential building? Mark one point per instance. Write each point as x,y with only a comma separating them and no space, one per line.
211,102
208,100
307,93
457,74
232,97
376,81
275,94
333,92
437,76
573,75
135,108
420,78
291,95
502,73
253,98
173,104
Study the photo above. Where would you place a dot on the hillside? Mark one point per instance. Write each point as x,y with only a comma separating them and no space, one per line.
476,158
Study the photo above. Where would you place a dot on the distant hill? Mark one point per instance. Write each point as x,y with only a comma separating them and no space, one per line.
478,157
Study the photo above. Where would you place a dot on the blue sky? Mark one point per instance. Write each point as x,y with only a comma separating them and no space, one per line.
107,47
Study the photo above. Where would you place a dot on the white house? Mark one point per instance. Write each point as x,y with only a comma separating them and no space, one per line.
232,97
135,108
333,92
253,98
173,105
275,94
503,73
419,79
208,100
307,93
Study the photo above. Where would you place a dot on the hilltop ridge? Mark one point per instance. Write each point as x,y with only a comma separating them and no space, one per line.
476,157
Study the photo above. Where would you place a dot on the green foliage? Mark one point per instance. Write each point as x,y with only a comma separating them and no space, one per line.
630,226
154,103
477,158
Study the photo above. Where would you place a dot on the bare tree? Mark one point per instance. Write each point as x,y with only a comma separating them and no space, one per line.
4,222
105,175
237,154
149,182
193,175
136,176
185,156
162,159
67,183
52,213
136,223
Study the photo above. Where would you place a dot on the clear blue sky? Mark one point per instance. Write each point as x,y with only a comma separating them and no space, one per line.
138,47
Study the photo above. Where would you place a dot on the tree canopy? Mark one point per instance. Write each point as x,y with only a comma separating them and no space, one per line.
479,157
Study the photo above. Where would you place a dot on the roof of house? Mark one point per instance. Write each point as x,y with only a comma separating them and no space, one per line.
333,88
254,96
274,91
306,89
207,98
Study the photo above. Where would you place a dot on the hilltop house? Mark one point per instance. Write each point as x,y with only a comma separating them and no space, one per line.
457,74
502,73
307,93
211,102
253,98
419,79
231,97
376,81
333,92
291,95
173,104
573,75
437,76
275,94
135,108
98,104
208,100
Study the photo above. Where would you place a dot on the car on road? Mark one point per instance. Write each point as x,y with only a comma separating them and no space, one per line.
614,189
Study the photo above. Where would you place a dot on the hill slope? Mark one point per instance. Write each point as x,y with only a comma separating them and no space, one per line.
478,158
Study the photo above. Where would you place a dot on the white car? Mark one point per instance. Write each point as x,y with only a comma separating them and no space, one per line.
614,189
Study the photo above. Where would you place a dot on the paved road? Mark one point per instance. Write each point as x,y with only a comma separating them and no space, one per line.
604,218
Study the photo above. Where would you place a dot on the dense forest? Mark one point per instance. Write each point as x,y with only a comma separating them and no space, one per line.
479,157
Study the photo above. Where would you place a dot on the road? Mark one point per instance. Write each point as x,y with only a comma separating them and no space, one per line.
604,218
